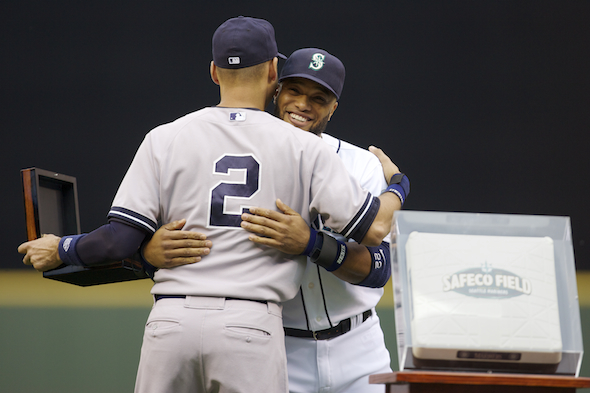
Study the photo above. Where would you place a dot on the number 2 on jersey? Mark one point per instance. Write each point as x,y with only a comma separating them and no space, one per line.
227,191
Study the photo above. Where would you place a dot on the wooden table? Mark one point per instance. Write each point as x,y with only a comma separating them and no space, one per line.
461,382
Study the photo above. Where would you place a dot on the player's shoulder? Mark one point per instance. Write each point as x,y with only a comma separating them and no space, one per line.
235,117
306,140
179,122
349,150
203,118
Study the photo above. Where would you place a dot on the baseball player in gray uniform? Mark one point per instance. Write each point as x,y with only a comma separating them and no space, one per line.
333,337
216,325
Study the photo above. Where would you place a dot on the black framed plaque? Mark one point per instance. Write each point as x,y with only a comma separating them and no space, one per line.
51,203
51,206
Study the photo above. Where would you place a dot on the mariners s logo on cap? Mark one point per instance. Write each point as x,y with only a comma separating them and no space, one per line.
317,65
317,61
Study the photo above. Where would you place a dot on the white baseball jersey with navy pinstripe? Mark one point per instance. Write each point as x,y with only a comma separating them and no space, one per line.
324,299
209,166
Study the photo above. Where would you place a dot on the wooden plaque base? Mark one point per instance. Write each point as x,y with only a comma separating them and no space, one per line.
456,382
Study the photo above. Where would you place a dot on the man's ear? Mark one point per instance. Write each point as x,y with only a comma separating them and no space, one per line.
333,110
273,70
213,72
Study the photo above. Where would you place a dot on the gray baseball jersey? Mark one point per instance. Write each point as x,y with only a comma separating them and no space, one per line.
324,299
211,165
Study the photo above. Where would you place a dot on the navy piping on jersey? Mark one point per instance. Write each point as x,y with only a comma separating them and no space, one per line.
360,224
323,295
323,300
304,308
132,218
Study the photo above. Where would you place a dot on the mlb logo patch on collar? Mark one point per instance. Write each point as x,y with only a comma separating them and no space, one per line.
237,116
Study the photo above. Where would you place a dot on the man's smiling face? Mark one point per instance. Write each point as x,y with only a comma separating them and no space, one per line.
305,104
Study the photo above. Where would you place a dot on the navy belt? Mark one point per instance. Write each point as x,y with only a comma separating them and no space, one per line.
343,327
158,297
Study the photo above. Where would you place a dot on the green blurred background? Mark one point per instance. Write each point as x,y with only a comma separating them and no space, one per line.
56,337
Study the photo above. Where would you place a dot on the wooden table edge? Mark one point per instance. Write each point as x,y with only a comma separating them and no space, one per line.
462,378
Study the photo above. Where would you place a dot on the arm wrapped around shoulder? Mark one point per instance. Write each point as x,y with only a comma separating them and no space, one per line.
380,267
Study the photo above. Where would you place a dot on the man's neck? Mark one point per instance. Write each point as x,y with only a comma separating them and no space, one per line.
243,97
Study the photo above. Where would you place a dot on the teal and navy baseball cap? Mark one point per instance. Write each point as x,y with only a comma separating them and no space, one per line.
244,42
317,65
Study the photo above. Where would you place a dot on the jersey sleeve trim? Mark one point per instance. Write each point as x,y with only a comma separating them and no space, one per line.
360,224
132,218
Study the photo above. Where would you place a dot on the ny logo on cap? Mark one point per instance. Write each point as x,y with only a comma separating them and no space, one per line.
233,60
317,61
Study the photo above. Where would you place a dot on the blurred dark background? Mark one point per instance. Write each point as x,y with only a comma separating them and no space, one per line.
484,104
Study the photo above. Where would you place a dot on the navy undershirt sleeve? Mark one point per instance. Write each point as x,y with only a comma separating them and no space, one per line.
111,242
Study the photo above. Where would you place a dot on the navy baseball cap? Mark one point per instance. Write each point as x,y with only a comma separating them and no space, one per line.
317,65
244,42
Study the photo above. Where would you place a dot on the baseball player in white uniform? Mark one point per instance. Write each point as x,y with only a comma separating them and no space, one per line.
216,326
333,337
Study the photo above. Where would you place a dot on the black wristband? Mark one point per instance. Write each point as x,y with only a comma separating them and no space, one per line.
331,254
